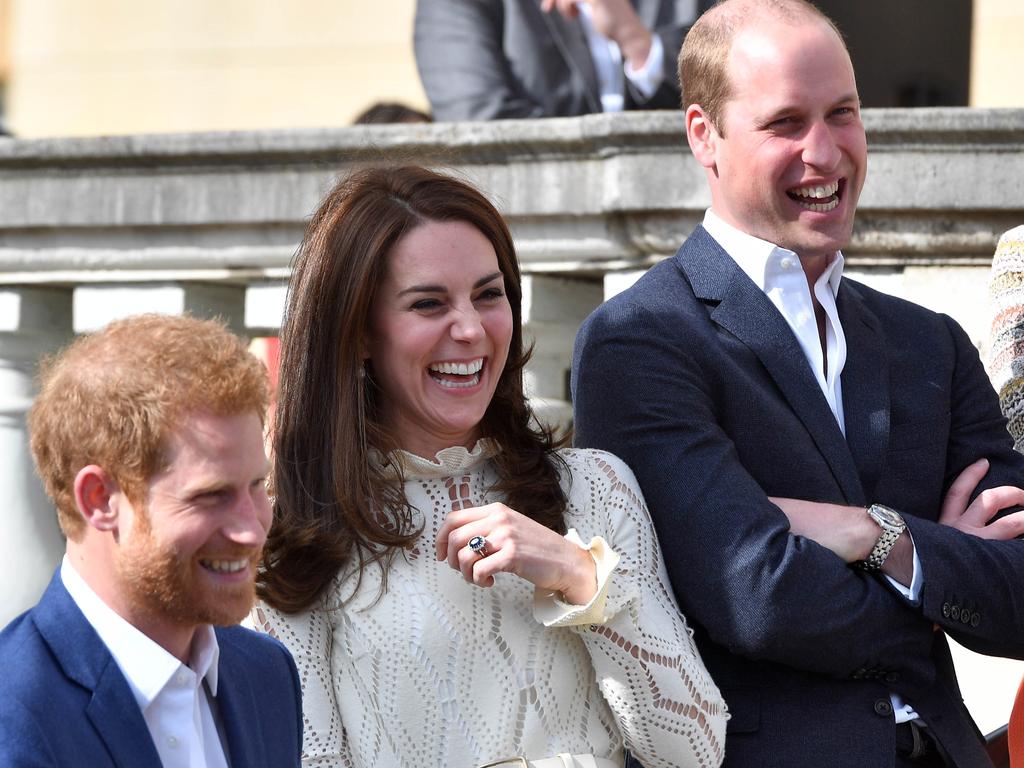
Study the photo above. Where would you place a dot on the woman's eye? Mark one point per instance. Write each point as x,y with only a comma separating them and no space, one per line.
491,294
426,304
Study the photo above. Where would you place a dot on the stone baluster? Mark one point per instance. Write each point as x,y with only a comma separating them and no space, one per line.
34,322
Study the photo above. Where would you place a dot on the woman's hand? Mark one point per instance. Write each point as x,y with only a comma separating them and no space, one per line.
516,544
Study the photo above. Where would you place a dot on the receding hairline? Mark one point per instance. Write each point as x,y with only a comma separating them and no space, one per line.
737,15
706,58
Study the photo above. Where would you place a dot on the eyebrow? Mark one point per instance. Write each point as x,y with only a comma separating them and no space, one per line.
790,108
204,487
441,289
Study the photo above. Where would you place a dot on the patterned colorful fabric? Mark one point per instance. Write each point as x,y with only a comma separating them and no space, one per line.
1006,361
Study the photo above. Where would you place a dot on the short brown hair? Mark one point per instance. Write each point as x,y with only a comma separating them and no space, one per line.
704,58
112,398
332,504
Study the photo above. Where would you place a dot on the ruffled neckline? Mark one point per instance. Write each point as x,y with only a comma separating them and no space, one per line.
446,462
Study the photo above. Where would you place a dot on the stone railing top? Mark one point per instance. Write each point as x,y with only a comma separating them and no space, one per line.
468,141
589,194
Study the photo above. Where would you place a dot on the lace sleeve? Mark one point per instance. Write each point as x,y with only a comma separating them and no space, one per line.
668,708
309,636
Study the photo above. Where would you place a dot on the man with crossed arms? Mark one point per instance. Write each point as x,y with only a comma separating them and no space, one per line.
827,468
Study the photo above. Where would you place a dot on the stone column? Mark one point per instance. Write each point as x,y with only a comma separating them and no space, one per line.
33,322
553,309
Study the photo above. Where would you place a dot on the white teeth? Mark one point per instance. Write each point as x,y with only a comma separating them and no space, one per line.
460,369
820,207
459,384
226,566
818,192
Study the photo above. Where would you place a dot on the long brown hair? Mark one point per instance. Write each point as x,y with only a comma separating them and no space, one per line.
332,503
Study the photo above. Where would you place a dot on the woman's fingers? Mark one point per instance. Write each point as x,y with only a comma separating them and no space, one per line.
456,520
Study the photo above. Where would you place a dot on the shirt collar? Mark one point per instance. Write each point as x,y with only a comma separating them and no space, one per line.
146,665
758,258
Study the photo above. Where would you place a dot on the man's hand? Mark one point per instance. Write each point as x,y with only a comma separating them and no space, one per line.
616,20
976,518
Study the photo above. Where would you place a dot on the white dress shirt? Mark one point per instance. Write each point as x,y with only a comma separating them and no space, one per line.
610,69
778,274
171,695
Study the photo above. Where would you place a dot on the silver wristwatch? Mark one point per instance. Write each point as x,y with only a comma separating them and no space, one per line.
892,525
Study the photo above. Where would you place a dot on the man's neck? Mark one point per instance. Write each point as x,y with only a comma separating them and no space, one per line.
814,267
99,573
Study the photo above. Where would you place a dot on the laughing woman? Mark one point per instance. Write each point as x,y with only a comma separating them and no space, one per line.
455,589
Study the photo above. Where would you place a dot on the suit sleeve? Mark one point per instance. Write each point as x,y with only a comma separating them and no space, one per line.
459,54
671,32
974,588
734,567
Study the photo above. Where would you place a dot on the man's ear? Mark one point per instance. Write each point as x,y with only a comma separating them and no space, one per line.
94,492
701,135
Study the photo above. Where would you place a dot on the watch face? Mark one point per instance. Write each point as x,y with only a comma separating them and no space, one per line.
887,515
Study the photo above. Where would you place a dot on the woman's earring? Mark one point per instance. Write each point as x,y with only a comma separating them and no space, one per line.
361,373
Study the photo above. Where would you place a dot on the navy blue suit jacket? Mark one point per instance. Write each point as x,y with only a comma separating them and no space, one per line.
694,378
64,701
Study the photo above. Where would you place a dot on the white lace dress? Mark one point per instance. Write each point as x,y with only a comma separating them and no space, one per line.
439,672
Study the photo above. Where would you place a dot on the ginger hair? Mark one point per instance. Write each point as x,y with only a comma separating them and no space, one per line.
112,398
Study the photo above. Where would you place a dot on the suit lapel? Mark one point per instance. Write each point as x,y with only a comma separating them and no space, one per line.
238,708
84,659
865,385
571,41
744,311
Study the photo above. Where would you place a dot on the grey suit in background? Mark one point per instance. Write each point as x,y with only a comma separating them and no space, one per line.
494,59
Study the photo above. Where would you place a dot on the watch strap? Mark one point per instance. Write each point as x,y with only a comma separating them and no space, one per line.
886,541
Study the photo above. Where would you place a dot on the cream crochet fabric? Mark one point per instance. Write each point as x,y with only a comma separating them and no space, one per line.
439,672
1006,358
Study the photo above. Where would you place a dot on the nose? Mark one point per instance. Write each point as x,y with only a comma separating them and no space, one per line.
467,325
820,149
249,521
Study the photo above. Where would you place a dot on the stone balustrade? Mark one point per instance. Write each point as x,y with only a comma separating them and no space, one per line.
93,229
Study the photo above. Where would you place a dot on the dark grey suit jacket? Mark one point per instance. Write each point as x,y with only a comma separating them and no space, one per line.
64,701
493,59
694,378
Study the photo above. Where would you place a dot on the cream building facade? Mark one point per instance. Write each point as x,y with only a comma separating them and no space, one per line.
78,68
75,68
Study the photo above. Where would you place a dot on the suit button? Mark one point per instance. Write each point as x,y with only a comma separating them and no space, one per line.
954,612
945,610
892,677
883,707
975,619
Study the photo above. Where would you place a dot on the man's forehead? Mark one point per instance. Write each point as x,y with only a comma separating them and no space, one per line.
201,436
771,48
